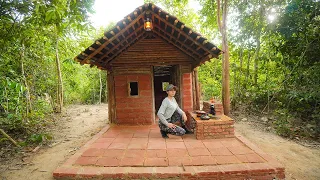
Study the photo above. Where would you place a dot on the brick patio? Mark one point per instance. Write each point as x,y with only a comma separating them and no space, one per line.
134,152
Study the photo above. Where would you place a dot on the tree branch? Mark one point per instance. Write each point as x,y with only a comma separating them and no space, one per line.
7,136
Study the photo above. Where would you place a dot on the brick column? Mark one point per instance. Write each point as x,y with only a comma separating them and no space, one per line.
187,102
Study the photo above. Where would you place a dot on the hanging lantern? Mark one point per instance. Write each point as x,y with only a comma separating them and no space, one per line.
148,24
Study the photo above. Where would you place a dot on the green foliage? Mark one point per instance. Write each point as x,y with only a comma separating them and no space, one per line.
39,138
287,74
29,31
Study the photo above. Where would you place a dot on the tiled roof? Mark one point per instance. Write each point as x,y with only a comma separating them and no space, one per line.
130,30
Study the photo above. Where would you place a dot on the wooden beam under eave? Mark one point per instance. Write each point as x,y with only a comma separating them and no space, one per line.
203,60
113,48
120,51
112,38
186,35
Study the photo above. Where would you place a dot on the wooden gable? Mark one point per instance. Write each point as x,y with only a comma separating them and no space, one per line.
151,51
169,42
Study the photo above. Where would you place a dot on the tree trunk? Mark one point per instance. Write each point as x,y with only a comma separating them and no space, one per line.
60,85
248,71
256,57
28,100
234,102
225,58
100,94
239,93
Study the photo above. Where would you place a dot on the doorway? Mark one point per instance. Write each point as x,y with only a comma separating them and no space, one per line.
162,76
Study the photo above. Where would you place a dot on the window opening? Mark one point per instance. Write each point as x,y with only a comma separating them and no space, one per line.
133,89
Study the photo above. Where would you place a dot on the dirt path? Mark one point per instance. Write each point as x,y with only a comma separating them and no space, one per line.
300,162
81,122
76,127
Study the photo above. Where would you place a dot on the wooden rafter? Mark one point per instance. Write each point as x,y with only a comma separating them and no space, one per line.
112,38
183,50
120,43
120,51
186,35
172,37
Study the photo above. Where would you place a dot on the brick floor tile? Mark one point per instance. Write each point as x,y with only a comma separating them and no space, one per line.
141,134
65,172
118,145
110,134
135,153
104,145
226,159
174,138
177,152
108,161
122,140
89,172
242,158
154,126
229,168
119,153
254,158
203,160
156,162
128,161
138,145
153,134
159,153
178,161
139,140
259,166
93,152
240,150
214,144
157,145
194,144
103,140
220,151
156,140
175,145
231,142
189,137
125,135
86,160
198,152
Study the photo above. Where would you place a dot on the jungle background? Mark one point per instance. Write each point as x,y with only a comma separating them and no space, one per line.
274,62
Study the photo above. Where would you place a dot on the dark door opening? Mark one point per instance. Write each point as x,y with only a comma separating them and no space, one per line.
164,75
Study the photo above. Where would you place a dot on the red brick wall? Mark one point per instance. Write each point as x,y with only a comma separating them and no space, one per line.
187,102
133,110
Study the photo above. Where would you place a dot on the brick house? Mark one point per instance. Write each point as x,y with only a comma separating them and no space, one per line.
142,53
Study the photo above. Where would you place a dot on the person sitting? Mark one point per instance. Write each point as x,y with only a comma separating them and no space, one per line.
170,113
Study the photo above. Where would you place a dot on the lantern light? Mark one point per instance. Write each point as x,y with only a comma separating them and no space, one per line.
148,25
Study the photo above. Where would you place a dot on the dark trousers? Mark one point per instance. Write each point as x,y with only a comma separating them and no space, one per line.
178,131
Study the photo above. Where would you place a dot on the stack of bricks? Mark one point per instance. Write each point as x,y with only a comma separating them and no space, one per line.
217,106
223,127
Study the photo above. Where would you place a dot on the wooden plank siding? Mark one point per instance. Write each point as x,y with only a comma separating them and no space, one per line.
151,52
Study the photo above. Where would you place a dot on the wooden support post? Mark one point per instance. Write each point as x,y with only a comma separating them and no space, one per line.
197,89
111,98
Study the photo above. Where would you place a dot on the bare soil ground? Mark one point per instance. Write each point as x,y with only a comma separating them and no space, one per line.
81,122
76,126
